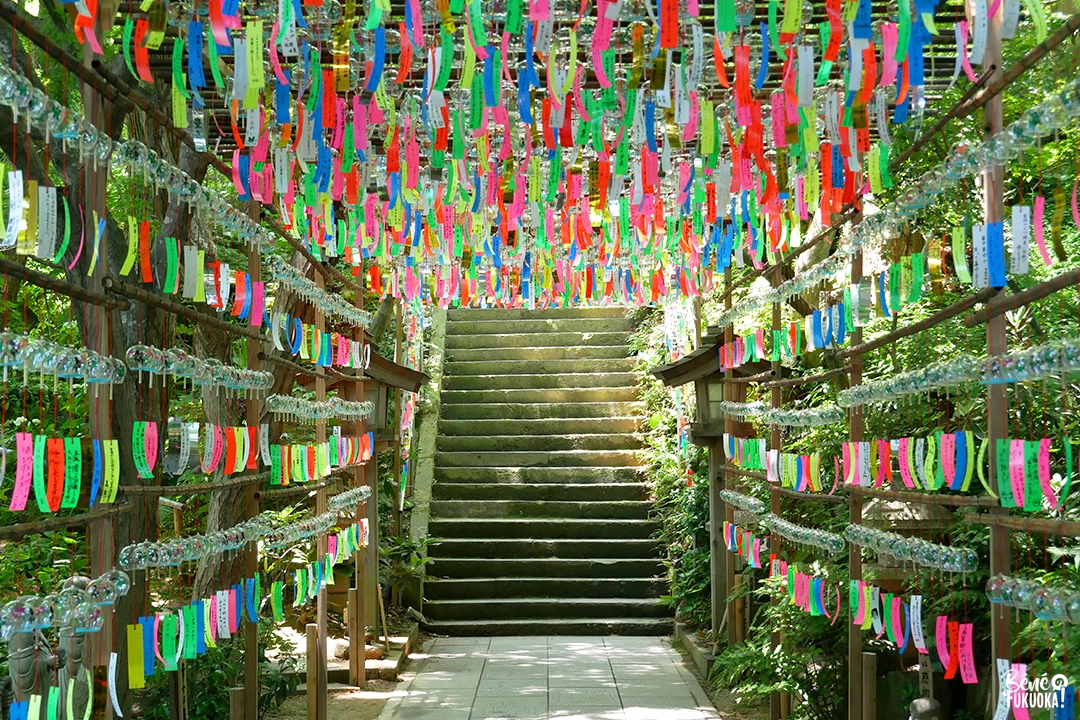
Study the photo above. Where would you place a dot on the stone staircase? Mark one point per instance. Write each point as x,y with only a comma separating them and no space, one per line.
539,500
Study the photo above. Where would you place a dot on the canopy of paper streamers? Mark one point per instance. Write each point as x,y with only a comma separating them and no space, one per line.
547,153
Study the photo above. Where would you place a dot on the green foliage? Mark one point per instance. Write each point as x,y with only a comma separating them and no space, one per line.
810,662
403,560
679,483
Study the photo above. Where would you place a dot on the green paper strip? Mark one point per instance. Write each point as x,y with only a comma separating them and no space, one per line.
277,601
177,65
215,71
129,29
905,30
1004,482
1068,473
53,708
72,473
172,266
40,491
191,627
168,642
1032,487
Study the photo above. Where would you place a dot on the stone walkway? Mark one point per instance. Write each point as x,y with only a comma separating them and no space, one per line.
542,678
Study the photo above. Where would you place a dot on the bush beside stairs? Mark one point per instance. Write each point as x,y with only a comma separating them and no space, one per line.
539,502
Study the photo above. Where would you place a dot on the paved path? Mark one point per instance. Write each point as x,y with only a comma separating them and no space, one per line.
542,678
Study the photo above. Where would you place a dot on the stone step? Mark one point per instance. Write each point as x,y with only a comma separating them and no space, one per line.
523,314
541,529
528,475
591,351
598,510
537,410
547,608
545,491
529,548
585,627
563,426
515,587
545,325
542,395
467,568
536,340
535,382
555,458
459,368
536,443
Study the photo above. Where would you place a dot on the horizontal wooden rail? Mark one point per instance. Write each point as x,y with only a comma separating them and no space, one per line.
924,498
806,379
819,497
1024,297
41,280
1066,528
38,527
1033,56
745,473
148,298
193,488
925,324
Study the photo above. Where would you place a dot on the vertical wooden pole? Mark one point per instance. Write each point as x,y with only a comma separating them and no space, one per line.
371,552
855,419
251,509
775,400
356,626
727,513
356,619
319,698
869,686
236,703
997,409
312,635
717,576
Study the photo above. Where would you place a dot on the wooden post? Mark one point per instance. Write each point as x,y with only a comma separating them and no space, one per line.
371,552
738,621
869,686
775,400
251,509
855,420
178,692
997,409
728,514
357,645
319,697
718,580
236,703
313,670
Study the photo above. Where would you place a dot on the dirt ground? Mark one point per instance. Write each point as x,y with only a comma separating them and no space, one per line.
343,704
